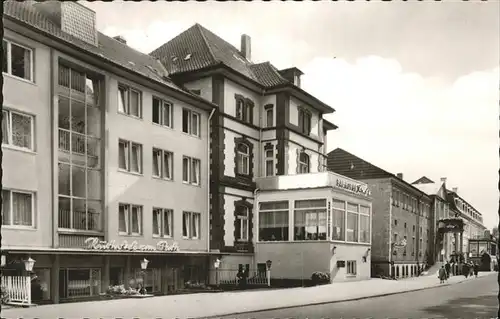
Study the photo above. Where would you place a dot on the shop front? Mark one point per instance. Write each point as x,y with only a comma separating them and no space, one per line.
313,223
66,275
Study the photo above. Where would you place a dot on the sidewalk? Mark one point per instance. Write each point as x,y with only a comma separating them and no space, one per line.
229,303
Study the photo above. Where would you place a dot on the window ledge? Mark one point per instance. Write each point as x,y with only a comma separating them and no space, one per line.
191,135
129,235
131,116
17,228
18,149
351,276
79,232
19,78
121,170
163,179
191,184
163,126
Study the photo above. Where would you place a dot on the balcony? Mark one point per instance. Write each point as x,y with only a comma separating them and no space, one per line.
79,145
78,86
80,220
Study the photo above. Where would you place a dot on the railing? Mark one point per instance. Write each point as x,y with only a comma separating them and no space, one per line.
82,220
229,277
78,83
79,288
77,143
18,289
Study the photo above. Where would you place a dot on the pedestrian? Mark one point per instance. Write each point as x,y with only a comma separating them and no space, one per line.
465,270
447,267
476,269
442,274
471,269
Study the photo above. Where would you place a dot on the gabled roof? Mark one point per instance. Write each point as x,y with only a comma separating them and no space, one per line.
423,180
267,74
429,188
107,49
347,164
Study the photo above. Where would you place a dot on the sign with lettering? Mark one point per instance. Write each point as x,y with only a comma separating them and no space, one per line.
94,243
402,243
353,187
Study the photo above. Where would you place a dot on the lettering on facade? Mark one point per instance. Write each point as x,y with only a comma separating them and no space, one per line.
354,188
402,243
94,243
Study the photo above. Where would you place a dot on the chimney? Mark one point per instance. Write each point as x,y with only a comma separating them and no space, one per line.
120,38
399,175
246,47
455,189
73,18
443,179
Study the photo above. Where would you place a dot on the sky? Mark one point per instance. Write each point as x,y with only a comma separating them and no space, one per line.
415,85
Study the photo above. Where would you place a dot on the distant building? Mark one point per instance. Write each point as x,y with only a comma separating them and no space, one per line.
402,220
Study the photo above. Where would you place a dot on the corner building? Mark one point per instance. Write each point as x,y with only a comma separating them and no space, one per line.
401,226
99,145
266,126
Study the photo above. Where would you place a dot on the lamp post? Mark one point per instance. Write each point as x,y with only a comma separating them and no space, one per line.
144,266
28,265
268,269
216,266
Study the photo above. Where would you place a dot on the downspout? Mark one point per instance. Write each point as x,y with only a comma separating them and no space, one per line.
209,139
256,224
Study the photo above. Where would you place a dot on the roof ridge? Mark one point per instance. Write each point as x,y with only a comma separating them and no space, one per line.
205,41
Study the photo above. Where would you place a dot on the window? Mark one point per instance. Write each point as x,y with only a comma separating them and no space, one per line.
351,267
191,225
129,219
410,204
269,115
273,221
163,162
242,159
79,282
421,245
17,129
303,167
338,220
310,220
269,158
162,112
405,226
130,156
304,121
364,224
163,222
241,231
352,222
18,209
244,109
190,170
395,222
17,60
129,101
413,228
190,122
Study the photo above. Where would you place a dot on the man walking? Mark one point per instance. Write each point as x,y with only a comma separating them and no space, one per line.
476,269
447,267
442,274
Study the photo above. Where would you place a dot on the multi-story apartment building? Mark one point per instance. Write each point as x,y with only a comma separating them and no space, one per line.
105,159
266,126
401,223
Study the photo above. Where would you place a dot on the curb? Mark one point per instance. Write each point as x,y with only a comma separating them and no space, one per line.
329,302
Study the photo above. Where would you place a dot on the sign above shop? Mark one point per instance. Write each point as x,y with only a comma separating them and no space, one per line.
353,187
94,243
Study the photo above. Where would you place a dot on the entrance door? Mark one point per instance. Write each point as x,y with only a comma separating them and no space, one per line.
173,282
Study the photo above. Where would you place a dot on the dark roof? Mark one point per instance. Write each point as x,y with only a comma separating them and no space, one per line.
347,164
108,48
267,74
327,125
423,180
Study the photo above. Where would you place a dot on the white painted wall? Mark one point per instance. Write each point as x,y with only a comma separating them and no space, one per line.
294,115
204,85
268,99
230,89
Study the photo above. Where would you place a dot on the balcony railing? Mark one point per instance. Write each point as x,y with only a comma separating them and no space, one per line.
78,83
77,143
80,220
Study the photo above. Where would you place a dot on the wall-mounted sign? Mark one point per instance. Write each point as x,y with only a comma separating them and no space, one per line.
353,187
94,243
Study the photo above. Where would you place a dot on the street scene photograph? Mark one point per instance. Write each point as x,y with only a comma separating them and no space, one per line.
250,159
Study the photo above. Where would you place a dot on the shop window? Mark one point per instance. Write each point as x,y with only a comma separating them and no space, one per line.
273,221
115,276
310,219
338,220
351,267
81,282
149,279
193,275
352,222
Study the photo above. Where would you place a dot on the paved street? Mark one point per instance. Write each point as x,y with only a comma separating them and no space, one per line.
474,298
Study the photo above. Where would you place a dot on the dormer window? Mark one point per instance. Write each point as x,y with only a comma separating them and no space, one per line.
296,80
303,165
304,121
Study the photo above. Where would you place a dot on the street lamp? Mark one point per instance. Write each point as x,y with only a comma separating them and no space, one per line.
268,268
216,266
28,265
144,266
